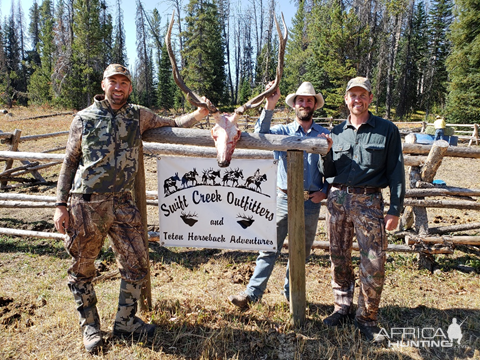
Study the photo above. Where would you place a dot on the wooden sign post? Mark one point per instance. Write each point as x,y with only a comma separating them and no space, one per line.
296,236
141,202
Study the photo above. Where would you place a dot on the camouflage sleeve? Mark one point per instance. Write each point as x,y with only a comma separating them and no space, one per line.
150,120
187,120
73,154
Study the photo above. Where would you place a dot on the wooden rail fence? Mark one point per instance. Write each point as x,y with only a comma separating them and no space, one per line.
189,142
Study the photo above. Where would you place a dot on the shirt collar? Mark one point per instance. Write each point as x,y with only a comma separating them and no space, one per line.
371,121
297,127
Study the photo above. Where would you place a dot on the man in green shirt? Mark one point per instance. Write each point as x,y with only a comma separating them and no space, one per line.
366,156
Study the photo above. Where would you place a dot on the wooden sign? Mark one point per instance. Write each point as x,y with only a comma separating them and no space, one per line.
203,205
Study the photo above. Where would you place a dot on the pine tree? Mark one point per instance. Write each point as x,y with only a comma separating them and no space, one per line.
166,86
63,39
106,30
296,52
412,60
440,18
267,58
204,51
338,42
86,53
34,31
244,60
143,92
40,89
463,64
119,52
22,95
13,59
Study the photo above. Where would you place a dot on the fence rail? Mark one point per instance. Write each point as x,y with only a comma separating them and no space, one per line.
420,242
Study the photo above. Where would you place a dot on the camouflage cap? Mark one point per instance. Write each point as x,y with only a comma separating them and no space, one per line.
117,69
360,81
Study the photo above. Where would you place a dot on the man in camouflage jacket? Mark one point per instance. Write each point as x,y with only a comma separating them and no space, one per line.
98,174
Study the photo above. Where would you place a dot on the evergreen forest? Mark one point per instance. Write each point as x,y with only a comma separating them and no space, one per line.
423,57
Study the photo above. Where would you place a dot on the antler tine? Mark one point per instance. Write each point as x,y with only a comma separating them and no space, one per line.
256,101
192,97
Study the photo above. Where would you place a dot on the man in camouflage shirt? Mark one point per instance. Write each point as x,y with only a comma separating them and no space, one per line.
366,156
99,169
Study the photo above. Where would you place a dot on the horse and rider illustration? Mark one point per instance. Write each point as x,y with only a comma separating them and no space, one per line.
231,178
256,179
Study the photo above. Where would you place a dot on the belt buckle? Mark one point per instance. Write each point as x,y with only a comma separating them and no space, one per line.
306,195
348,190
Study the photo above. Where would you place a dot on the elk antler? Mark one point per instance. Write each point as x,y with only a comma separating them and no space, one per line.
192,97
256,101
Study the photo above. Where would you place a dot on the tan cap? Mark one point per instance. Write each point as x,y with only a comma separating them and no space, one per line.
360,81
305,89
117,69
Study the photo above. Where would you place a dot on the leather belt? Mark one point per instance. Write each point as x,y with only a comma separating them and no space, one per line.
358,190
306,194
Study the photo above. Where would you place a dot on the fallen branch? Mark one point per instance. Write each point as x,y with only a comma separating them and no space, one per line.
38,167
45,116
17,179
11,171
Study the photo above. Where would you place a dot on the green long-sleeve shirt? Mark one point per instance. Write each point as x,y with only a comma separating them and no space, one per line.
368,157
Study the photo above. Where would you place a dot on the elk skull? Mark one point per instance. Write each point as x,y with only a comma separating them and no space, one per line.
225,133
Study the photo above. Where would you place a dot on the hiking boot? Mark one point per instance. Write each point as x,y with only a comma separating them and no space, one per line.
142,331
241,300
372,333
337,318
92,338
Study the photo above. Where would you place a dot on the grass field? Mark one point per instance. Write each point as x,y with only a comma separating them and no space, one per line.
190,289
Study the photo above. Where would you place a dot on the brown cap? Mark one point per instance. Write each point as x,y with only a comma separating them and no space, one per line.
360,81
117,69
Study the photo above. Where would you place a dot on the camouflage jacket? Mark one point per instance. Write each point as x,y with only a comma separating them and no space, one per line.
103,145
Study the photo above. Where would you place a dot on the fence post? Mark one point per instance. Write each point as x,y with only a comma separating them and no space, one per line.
141,202
474,135
296,236
15,140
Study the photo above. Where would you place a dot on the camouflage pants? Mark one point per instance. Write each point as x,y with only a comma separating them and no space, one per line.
114,215
362,216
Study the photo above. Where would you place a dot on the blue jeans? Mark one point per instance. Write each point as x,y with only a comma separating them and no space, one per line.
439,134
266,259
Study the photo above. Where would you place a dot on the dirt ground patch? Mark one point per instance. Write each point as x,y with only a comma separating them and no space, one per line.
190,287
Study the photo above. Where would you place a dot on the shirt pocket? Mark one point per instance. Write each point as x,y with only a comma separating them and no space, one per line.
373,155
342,151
